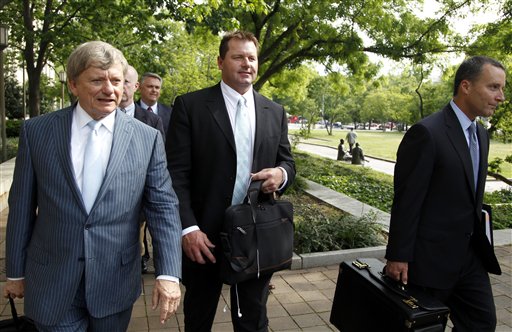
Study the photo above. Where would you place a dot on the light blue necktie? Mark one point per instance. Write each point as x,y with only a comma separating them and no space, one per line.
473,150
243,150
93,169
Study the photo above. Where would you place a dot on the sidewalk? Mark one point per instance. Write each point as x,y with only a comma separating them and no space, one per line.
301,300
381,165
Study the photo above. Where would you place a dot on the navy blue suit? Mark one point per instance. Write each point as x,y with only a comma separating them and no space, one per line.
436,215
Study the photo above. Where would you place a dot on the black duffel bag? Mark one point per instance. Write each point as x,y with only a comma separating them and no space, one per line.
257,237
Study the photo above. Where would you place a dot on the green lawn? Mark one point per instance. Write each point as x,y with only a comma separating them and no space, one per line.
376,143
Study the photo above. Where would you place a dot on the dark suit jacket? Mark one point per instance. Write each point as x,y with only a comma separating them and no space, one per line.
149,118
436,215
54,243
164,112
201,154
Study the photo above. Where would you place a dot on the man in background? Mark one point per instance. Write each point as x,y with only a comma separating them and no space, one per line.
351,139
150,87
436,237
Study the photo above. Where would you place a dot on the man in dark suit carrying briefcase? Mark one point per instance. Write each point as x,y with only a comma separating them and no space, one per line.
211,162
437,239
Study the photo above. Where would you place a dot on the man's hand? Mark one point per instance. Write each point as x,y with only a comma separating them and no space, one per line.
196,244
167,294
14,289
272,179
397,271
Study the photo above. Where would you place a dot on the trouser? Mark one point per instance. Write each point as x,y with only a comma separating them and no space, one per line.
78,318
202,292
471,300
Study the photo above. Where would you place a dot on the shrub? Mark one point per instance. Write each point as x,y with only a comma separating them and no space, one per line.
357,182
12,127
501,202
314,232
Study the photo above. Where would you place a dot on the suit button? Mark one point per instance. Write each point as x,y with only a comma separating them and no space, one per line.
87,227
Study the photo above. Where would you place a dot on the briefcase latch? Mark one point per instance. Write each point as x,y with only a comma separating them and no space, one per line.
411,302
360,265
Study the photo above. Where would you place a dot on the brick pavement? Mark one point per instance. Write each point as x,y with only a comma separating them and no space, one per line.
301,300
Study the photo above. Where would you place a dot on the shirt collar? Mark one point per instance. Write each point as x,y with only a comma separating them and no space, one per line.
83,118
130,109
464,121
232,96
145,106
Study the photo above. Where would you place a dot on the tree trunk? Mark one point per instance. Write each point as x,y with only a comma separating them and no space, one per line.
34,102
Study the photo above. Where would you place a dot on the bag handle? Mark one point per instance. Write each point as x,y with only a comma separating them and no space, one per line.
393,286
14,314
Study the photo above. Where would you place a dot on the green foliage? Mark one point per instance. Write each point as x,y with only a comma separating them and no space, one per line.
12,148
353,180
12,127
377,191
13,98
501,202
315,232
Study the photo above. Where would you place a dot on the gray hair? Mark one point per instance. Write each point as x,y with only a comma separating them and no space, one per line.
94,54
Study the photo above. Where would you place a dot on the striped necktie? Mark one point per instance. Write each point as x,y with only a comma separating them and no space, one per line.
243,150
93,171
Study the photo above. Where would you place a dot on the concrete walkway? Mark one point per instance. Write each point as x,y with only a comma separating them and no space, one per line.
382,165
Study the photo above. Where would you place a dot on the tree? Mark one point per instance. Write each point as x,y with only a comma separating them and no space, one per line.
331,31
51,29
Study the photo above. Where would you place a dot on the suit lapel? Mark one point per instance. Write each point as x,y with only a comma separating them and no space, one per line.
484,153
64,120
262,120
457,137
216,105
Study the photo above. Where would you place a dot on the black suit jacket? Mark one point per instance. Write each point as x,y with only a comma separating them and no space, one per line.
149,118
436,214
164,112
201,154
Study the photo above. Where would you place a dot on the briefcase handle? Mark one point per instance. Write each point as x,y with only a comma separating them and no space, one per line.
396,287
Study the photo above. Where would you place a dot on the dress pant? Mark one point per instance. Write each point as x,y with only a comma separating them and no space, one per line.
471,300
202,292
78,319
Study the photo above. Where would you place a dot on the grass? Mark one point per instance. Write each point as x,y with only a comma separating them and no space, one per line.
376,143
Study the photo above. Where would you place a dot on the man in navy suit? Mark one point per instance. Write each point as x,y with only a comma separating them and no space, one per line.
202,158
75,257
150,87
436,237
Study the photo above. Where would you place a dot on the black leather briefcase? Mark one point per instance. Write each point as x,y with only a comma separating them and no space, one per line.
365,301
257,237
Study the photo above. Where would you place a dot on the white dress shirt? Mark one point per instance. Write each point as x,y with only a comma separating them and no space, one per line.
79,134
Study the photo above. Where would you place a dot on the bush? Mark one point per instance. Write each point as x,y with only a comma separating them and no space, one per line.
376,189
360,183
12,127
314,232
501,203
